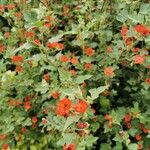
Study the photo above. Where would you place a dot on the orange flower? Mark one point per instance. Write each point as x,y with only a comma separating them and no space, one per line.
10,6
7,34
44,121
127,118
34,126
30,62
69,147
88,66
109,49
3,136
5,147
64,58
46,77
15,102
135,50
48,18
108,117
47,25
73,72
146,131
89,51
108,71
124,32
17,59
138,59
27,105
56,45
128,41
141,126
141,29
65,10
55,95
128,125
30,34
2,48
23,130
82,125
74,60
63,107
37,42
81,106
19,69
147,80
34,119
124,62
84,84
110,125
18,15
138,137
28,98
45,111
140,146
2,8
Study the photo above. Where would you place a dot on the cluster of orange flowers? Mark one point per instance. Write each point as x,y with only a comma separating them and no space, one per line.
142,30
65,105
18,60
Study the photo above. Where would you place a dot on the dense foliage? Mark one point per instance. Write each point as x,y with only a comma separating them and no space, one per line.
74,75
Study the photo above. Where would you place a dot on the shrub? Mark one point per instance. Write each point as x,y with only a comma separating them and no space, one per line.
75,74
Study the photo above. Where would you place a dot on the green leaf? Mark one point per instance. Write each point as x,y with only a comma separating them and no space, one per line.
30,16
2,2
24,46
38,24
9,128
132,147
147,39
148,136
36,57
105,146
90,140
67,139
72,92
42,87
64,75
135,109
106,129
96,91
118,138
70,120
81,78
56,38
136,18
95,126
1,36
122,16
118,146
132,132
33,147
145,8
8,79
119,115
59,37
27,122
